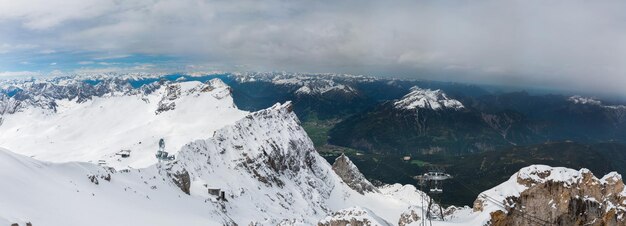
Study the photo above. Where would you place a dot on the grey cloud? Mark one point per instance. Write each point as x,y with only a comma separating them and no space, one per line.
561,44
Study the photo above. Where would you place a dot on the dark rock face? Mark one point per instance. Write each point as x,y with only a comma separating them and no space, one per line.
166,103
182,180
94,178
350,174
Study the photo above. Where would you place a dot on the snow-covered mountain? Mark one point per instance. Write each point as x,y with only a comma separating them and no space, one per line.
615,113
427,99
265,163
71,121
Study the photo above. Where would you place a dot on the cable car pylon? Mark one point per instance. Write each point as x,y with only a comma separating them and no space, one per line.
433,182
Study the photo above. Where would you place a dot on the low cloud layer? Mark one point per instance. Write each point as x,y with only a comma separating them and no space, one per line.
577,45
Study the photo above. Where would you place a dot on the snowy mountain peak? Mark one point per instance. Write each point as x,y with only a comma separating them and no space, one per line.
351,175
427,99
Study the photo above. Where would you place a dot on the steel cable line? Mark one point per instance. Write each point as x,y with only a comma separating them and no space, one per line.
495,201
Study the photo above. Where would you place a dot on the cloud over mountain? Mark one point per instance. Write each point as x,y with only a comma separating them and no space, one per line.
559,44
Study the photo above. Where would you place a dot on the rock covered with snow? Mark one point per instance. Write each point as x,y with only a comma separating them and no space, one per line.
540,194
351,175
427,99
175,91
353,216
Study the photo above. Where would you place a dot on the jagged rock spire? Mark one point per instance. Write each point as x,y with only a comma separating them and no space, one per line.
351,175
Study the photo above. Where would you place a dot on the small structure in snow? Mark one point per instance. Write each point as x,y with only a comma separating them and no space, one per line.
221,195
123,153
102,162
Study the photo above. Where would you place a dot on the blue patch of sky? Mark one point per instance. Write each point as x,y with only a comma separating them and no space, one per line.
69,61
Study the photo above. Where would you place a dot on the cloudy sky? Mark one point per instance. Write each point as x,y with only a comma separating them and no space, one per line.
569,44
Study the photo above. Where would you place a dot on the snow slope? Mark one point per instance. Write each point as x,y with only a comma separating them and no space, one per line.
62,194
98,128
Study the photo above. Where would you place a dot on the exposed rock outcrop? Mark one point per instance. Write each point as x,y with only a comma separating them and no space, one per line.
353,216
543,195
181,179
351,175
410,215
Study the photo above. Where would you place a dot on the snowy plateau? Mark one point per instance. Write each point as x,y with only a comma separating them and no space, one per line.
60,166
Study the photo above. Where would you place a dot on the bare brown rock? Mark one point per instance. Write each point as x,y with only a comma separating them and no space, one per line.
409,216
585,200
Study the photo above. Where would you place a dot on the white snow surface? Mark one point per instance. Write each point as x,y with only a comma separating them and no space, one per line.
427,99
99,128
52,194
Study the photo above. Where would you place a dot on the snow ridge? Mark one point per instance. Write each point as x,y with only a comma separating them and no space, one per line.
576,99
